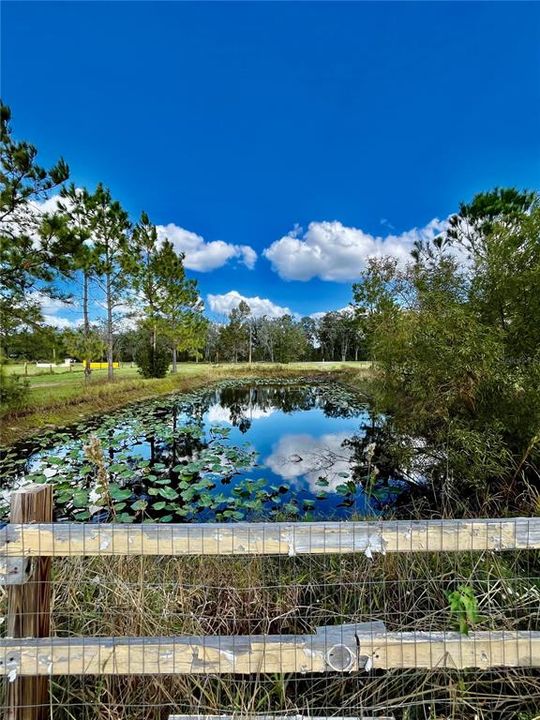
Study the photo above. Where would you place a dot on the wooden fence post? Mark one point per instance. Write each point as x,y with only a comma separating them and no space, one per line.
29,606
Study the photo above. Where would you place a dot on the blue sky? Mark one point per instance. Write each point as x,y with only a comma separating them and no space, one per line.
313,134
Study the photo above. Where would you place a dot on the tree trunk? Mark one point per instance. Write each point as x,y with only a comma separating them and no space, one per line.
86,325
174,365
154,337
110,371
250,342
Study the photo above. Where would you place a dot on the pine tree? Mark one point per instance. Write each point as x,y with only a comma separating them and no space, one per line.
143,264
76,208
110,226
180,308
34,247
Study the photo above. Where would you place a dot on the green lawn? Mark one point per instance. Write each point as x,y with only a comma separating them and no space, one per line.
65,396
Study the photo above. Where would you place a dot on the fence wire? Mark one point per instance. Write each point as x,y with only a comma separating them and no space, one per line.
430,624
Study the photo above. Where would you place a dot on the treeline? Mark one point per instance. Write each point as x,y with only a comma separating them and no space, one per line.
332,336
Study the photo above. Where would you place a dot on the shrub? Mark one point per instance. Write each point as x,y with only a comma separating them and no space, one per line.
13,390
152,362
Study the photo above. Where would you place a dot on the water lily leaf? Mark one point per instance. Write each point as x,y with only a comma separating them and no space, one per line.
118,493
125,518
80,498
168,493
139,505
290,508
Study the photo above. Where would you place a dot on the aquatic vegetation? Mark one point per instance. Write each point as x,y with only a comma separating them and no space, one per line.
184,457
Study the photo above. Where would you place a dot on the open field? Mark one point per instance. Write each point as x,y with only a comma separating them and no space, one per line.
64,397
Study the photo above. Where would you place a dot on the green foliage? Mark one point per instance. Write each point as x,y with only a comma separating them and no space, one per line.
13,390
464,608
84,345
153,361
34,247
457,348
163,297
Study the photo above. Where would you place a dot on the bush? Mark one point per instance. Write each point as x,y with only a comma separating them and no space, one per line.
152,363
13,390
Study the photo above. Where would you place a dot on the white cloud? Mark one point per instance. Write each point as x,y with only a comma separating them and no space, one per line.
58,322
50,307
218,414
297,457
223,304
347,310
202,255
332,251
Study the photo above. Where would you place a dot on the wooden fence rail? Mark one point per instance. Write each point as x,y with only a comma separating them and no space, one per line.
339,648
27,544
317,538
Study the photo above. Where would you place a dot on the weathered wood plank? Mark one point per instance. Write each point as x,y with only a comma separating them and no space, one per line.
344,648
403,536
15,570
28,614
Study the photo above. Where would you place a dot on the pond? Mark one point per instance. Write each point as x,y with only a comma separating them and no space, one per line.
241,450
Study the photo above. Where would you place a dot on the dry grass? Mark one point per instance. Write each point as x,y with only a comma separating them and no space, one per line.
229,596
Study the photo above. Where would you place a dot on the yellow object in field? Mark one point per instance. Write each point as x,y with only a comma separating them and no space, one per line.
102,365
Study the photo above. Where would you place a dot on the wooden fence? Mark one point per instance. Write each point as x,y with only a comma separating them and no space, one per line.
28,656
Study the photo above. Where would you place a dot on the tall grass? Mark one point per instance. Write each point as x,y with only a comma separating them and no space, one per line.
256,595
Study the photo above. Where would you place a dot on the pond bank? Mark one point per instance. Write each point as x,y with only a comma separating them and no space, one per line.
67,403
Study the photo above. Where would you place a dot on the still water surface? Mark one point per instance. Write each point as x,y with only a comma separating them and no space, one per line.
238,451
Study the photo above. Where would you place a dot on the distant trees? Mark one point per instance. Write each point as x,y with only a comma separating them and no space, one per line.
234,336
334,336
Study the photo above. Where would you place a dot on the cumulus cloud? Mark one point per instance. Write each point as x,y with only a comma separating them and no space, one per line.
347,310
218,414
202,255
50,307
303,456
223,304
60,323
333,251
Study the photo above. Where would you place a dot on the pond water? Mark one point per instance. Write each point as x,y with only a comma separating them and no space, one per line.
237,451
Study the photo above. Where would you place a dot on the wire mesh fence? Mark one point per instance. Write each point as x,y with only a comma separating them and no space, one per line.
405,619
